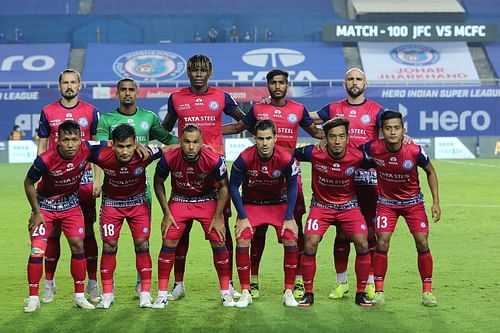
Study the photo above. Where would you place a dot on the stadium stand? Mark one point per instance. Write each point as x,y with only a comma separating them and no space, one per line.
37,7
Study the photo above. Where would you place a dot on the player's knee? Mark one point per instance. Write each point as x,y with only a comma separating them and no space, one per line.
289,242
38,248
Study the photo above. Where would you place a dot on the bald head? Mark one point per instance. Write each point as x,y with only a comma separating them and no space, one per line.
355,84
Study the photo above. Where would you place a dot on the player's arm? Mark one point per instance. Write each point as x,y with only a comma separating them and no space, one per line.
308,125
158,132
303,154
234,128
43,134
171,117
432,180
315,117
103,131
220,174
34,174
97,184
231,108
291,172
238,171
161,174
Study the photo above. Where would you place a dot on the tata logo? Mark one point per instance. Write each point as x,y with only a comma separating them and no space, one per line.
272,57
268,58
34,63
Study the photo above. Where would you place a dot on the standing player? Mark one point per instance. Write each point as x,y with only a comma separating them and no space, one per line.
400,195
202,106
55,202
269,177
288,117
199,192
124,197
334,202
364,118
70,107
146,124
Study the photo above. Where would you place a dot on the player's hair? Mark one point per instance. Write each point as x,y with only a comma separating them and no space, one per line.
72,71
275,72
68,127
190,128
391,114
354,69
199,59
126,79
265,125
336,122
122,132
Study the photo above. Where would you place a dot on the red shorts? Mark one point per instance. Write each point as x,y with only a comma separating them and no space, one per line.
88,203
415,217
183,212
367,201
70,220
138,218
267,215
350,220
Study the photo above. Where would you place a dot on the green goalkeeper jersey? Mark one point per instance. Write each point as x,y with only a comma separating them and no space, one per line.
146,123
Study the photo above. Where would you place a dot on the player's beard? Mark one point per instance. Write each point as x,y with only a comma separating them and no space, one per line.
71,96
355,91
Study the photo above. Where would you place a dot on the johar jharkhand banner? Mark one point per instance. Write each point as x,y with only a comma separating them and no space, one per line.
421,62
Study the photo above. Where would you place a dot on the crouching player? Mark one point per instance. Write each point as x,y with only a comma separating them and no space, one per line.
125,197
269,177
199,192
55,202
334,203
400,195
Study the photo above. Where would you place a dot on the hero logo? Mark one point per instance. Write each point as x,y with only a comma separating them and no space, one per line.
450,120
34,63
273,58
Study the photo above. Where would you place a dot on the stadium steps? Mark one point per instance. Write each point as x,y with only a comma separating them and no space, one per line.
483,66
340,7
351,56
77,59
85,6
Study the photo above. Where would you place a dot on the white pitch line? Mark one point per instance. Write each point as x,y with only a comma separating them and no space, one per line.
472,164
470,205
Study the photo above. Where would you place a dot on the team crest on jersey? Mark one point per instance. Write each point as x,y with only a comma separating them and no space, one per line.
213,105
83,122
150,65
276,173
407,165
292,118
138,171
144,125
350,170
365,119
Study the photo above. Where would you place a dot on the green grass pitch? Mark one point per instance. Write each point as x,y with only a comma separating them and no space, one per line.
464,244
